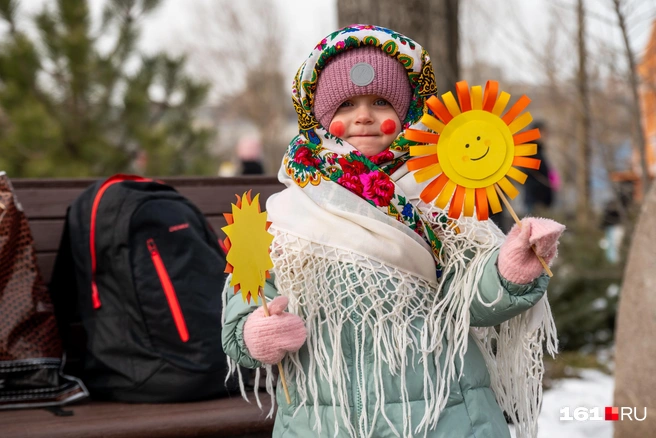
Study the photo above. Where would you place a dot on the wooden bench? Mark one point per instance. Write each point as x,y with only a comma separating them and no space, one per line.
44,202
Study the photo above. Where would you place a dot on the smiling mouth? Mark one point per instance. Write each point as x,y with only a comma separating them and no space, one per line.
482,156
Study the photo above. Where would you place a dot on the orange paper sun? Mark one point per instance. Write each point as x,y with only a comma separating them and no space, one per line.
472,148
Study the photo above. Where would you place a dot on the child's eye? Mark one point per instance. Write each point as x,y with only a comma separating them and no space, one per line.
346,104
381,102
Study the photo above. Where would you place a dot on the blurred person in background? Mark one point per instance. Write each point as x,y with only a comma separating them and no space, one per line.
541,184
539,189
612,222
249,152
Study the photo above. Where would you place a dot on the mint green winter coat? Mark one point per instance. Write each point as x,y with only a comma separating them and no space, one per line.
471,409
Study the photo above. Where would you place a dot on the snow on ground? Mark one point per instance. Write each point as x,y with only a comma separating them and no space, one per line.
593,389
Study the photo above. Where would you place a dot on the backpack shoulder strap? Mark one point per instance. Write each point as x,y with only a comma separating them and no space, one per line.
63,285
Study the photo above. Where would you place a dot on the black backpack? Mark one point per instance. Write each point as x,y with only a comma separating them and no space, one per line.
148,273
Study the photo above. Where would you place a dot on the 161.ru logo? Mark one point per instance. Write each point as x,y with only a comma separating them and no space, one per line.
611,413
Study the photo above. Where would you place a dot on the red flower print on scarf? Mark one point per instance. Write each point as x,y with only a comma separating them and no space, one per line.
382,157
377,187
351,182
354,167
304,156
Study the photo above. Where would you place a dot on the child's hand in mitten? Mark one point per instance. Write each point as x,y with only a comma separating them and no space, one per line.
269,338
517,261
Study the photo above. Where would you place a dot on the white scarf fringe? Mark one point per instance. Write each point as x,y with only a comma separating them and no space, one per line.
514,357
318,279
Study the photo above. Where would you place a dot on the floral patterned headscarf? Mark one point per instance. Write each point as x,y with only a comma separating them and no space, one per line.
317,157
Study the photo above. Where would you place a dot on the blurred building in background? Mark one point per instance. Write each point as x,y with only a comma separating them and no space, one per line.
647,72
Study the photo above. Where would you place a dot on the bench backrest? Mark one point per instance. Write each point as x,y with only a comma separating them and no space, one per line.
45,202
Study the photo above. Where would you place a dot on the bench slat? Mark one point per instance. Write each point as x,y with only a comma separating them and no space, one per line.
46,262
212,198
224,417
47,234
216,201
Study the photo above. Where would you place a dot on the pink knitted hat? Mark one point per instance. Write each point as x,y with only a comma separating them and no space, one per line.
359,72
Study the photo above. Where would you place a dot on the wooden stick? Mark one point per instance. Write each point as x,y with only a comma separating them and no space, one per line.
280,370
512,213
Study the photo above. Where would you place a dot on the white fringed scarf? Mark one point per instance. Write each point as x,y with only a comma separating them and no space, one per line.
324,251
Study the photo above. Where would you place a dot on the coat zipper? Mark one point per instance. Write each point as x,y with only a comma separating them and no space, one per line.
356,388
169,291
357,395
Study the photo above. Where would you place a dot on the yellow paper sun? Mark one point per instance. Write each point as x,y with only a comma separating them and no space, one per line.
248,244
472,148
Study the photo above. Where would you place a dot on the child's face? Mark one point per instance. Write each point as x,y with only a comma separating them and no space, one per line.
369,123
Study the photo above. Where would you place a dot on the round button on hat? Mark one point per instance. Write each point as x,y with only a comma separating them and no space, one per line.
362,74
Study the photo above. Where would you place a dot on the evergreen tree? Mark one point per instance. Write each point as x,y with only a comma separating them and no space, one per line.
583,292
68,108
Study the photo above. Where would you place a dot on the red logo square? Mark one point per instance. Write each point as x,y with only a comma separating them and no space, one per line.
612,413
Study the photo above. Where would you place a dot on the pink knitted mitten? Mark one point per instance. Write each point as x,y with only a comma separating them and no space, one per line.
269,338
517,262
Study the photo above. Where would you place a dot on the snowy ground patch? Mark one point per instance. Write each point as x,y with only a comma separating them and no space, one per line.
593,389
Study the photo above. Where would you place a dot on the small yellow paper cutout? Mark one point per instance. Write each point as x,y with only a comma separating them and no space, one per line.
248,246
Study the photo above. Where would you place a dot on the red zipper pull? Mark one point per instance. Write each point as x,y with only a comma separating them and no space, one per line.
95,297
152,247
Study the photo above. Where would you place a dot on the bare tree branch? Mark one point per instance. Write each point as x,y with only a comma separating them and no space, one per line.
241,54
583,156
638,134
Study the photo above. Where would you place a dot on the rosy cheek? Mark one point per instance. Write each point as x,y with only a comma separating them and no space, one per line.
388,127
337,129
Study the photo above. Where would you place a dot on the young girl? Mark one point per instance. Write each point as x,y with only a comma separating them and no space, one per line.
391,306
